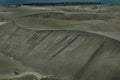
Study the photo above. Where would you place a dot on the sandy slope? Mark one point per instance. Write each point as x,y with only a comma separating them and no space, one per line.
67,45
65,54
102,24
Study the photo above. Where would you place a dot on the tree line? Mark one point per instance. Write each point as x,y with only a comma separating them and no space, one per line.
63,3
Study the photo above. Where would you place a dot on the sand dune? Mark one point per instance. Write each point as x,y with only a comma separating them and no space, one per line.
62,53
61,43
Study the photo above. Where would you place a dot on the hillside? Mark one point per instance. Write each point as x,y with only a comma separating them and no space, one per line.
68,43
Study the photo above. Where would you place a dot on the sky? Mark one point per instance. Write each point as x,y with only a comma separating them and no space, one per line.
8,2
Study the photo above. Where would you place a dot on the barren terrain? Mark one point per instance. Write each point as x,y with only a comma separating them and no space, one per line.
67,42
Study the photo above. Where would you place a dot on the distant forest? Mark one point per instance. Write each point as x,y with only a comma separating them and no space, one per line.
63,3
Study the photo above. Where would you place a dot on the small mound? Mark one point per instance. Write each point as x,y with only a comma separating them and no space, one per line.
72,16
70,21
29,76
